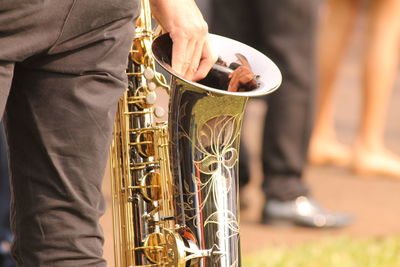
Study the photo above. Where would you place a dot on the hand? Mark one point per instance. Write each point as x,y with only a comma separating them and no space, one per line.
242,78
192,54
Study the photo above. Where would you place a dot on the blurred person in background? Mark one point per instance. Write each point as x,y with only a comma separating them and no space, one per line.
380,62
284,31
5,232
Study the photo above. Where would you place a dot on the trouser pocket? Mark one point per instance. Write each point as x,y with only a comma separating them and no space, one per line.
93,15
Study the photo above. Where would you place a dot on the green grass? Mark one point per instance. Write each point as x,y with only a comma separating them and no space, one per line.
340,252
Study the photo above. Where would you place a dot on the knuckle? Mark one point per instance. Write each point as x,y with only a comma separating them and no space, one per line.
192,69
180,61
201,28
178,35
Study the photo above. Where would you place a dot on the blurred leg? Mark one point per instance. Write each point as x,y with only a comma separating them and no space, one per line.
284,31
379,73
288,38
336,25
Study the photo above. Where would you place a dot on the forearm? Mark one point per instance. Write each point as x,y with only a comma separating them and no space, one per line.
179,14
192,56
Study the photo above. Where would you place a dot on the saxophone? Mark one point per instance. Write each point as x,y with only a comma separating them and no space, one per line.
175,183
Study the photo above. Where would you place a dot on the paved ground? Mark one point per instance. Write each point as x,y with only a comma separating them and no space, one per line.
372,200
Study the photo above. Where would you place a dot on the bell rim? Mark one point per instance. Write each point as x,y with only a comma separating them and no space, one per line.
262,90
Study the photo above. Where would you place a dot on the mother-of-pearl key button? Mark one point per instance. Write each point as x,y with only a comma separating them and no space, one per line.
151,98
148,73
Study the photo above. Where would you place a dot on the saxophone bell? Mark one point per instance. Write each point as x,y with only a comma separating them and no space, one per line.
204,129
265,72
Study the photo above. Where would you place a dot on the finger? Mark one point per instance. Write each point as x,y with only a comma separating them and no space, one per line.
179,46
246,80
246,77
208,59
189,60
234,83
195,60
243,60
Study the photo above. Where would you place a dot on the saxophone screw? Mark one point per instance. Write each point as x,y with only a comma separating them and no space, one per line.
147,217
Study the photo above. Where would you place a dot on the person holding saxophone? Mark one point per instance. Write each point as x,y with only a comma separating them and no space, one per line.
62,67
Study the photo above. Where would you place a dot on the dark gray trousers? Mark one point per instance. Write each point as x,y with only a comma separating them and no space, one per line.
62,68
284,31
5,232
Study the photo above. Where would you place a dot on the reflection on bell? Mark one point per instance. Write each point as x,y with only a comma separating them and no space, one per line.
263,75
238,77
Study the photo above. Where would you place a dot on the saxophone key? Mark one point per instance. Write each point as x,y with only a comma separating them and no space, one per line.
151,98
159,112
148,73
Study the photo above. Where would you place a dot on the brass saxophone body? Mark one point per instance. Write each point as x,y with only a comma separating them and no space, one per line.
175,184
